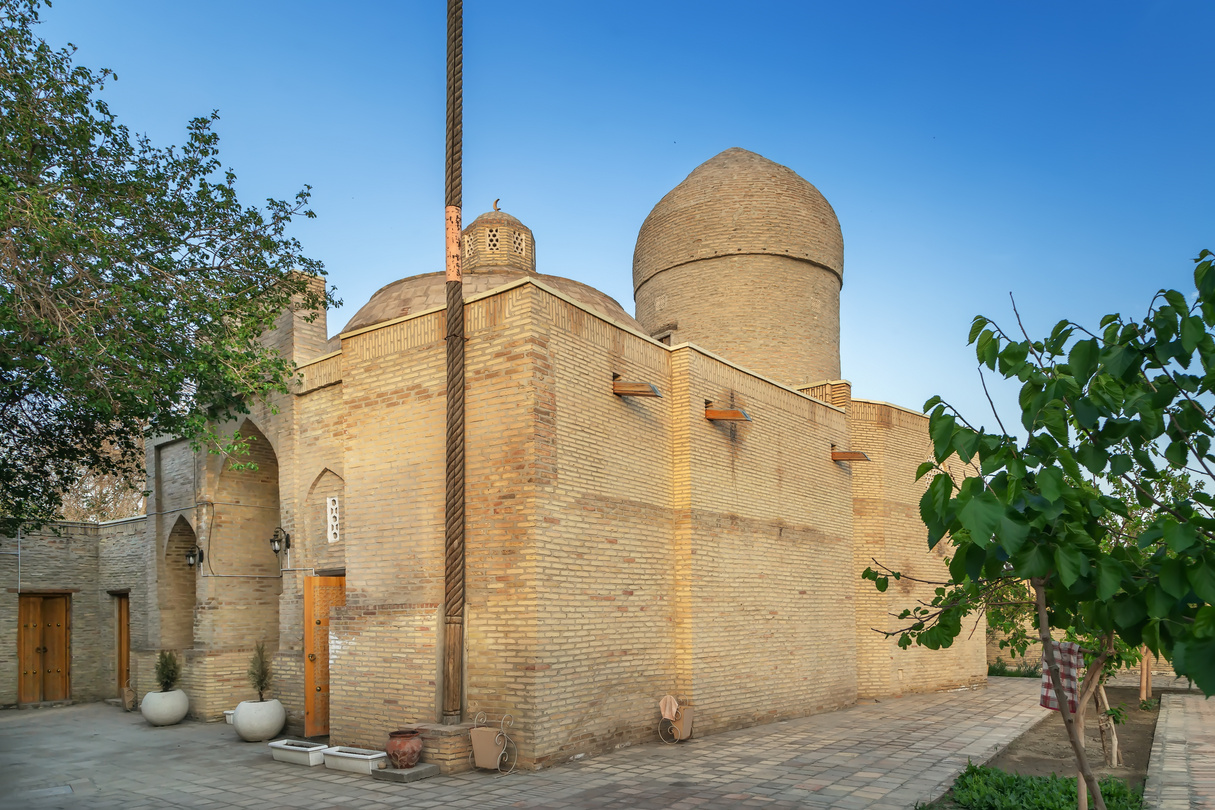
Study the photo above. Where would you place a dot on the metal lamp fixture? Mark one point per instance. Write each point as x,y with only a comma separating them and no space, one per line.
280,540
194,555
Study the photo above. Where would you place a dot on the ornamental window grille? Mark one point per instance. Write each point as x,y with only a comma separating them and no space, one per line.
470,249
518,243
331,516
492,238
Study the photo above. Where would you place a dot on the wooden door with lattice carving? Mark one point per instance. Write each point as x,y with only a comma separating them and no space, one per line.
320,595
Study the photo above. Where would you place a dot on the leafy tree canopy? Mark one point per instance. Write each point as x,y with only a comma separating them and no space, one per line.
1106,506
134,286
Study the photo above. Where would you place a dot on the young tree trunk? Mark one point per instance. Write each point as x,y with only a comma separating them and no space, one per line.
1145,676
1113,755
1069,720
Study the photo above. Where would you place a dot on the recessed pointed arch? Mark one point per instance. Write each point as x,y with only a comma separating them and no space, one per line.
177,587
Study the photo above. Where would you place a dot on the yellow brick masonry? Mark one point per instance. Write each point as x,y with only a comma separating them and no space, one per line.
618,549
888,529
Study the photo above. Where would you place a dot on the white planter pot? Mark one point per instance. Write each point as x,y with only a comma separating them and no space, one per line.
165,708
354,760
259,720
299,752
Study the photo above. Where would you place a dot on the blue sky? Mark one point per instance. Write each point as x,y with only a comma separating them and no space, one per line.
1058,151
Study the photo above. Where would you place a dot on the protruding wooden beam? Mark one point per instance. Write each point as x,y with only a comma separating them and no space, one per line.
848,455
726,414
634,389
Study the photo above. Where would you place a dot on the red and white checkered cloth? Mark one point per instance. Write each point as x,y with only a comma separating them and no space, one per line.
1070,659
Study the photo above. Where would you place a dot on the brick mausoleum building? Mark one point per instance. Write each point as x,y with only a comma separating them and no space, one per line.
619,548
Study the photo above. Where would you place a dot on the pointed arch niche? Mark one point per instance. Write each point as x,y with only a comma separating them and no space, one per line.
177,593
241,573
324,539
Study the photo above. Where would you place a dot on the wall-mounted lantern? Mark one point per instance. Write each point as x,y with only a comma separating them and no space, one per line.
280,540
194,555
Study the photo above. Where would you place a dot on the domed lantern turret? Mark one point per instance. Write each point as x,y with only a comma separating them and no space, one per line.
496,240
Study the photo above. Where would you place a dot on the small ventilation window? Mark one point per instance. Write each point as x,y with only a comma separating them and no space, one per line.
492,238
518,243
470,249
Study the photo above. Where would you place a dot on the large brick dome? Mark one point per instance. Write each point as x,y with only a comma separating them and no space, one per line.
738,203
746,259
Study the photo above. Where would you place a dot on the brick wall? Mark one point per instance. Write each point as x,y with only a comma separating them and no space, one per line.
86,562
888,528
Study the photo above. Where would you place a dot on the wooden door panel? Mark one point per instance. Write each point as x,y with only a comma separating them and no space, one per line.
321,594
123,641
55,658
29,649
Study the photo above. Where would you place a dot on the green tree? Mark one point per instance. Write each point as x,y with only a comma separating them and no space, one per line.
1128,404
134,286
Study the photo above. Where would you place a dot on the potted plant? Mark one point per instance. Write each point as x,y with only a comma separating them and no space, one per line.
169,705
261,719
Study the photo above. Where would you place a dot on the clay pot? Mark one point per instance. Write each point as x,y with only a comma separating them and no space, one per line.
404,747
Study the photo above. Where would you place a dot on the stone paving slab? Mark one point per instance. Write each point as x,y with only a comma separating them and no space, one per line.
1181,771
883,756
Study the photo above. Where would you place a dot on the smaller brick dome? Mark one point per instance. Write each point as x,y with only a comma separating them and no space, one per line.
739,203
496,240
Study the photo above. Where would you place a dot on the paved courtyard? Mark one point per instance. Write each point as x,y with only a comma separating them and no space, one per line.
884,755
1181,775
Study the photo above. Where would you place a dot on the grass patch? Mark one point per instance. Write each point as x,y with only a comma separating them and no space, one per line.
982,788
1023,669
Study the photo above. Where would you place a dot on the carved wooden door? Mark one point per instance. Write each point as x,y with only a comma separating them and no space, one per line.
320,595
42,648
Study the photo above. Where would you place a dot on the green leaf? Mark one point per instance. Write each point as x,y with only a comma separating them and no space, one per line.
1204,622
935,500
1070,563
1093,458
924,469
1054,418
1196,659
981,515
1050,483
1129,612
1118,359
1109,578
1082,359
965,442
1202,580
1012,535
976,326
1179,536
1173,579
1159,603
940,429
1176,454
882,583
1193,330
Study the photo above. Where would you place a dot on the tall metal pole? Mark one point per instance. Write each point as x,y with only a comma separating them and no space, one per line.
453,595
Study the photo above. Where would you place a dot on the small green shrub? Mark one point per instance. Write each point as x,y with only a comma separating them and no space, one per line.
1027,670
982,788
1148,705
1023,669
260,676
998,668
168,673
